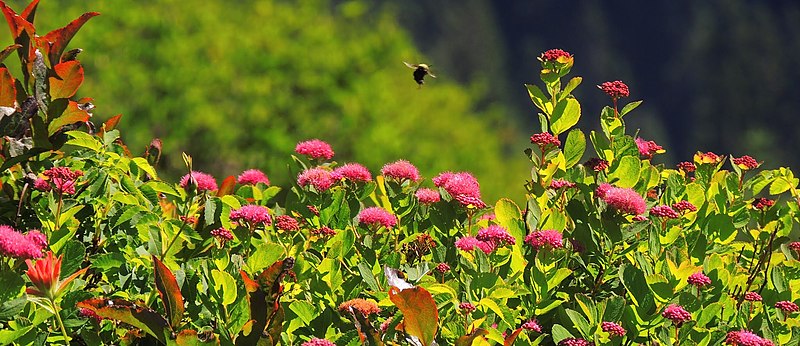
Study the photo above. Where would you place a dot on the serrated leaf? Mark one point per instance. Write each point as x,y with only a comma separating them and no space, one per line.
84,140
574,147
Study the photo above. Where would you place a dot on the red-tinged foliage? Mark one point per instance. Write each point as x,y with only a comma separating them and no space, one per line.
30,11
56,41
467,340
8,92
169,292
509,340
8,50
227,186
72,114
266,312
142,317
69,77
420,314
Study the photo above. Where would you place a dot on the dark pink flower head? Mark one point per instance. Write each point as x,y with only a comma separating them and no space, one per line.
743,338
545,140
762,203
683,206
62,179
639,218
353,172
546,238
467,200
315,149
200,180
795,245
664,211
612,328
648,148
575,342
323,231
677,314
313,210
377,216
286,223
596,164
707,157
787,306
400,170
699,280
222,234
496,235
616,89
466,307
252,214
443,267
442,178
470,243
752,297
532,325
556,55
561,183
427,196
22,246
252,177
319,178
41,185
625,200
462,183
746,162
687,167
318,342
602,189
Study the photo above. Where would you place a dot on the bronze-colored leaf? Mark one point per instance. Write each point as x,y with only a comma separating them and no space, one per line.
170,293
137,316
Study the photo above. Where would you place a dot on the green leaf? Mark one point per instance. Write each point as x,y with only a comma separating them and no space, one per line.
170,293
189,337
11,285
469,339
625,173
304,310
420,315
538,98
565,115
84,140
73,252
781,185
225,285
629,107
368,277
580,322
614,309
571,85
560,333
137,316
574,147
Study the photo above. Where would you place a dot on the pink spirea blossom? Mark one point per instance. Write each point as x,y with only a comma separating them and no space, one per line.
684,206
553,55
625,200
707,157
22,246
252,214
467,200
647,148
545,238
575,342
470,243
315,149
795,245
744,338
252,177
442,178
616,89
400,170
602,189
532,325
377,216
313,210
443,267
385,325
427,196
545,140
286,223
664,211
752,297
762,203
497,235
745,162
323,231
596,164
89,314
687,167
62,179
466,307
321,179
318,342
612,328
353,172
203,181
699,280
677,314
561,183
639,218
787,306
41,185
222,234
462,186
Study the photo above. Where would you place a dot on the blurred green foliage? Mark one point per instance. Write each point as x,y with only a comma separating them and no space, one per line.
237,84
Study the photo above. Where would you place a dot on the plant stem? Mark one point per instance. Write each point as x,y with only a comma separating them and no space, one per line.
60,322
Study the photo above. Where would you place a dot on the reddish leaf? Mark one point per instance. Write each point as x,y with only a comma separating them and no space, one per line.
69,77
30,11
227,186
170,293
190,337
72,114
8,50
8,92
467,340
56,41
266,312
137,316
509,341
111,123
16,23
420,316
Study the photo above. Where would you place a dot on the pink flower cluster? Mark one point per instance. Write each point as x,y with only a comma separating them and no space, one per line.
545,140
353,172
699,280
22,246
707,157
315,149
319,178
616,89
622,199
323,231
677,314
466,307
286,223
201,181
470,243
745,162
762,203
377,216
648,148
532,325
496,235
222,234
443,267
687,167
561,183
787,306
427,196
745,338
545,238
795,245
596,164
60,179
575,342
252,177
400,170
252,214
318,342
752,297
664,211
462,186
683,206
612,328
554,55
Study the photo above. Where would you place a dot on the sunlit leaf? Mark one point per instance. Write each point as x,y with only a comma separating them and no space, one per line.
72,114
69,77
420,315
137,316
170,293
56,41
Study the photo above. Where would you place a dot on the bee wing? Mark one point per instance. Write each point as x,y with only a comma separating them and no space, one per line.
431,74
410,65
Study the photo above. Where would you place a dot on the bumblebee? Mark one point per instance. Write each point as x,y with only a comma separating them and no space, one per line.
420,71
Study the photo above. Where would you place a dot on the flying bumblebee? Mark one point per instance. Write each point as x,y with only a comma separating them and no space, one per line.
420,70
